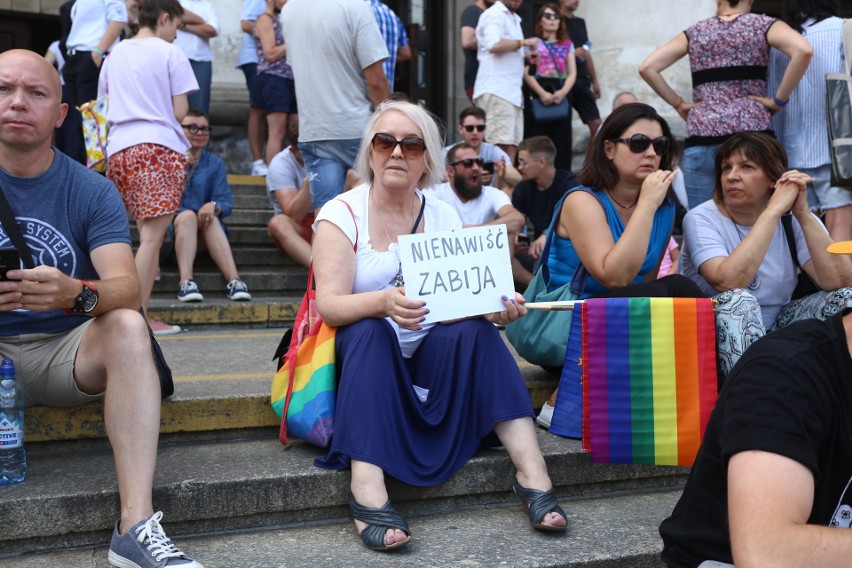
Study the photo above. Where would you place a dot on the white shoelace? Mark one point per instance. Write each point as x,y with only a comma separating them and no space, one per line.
159,544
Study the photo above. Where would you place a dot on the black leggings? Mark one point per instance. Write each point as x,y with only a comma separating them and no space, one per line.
673,286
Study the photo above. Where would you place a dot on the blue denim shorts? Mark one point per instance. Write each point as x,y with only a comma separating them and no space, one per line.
822,196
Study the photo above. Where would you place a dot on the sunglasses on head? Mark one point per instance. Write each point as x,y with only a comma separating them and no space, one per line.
193,129
412,147
468,162
638,143
550,16
472,127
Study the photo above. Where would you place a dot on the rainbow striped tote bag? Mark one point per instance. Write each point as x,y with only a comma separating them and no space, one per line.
649,378
304,389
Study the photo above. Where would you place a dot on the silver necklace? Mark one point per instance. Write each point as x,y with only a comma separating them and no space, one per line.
398,282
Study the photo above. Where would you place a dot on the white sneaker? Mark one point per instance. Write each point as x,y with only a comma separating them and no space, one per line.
545,416
258,168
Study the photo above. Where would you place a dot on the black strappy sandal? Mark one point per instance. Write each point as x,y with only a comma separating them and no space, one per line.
378,522
538,504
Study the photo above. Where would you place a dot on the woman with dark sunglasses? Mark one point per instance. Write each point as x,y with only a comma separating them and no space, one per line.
415,400
551,80
613,229
738,249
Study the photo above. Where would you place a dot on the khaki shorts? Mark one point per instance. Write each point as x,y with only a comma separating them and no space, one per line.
44,366
505,120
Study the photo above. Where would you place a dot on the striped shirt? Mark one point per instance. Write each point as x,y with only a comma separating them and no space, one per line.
393,31
801,125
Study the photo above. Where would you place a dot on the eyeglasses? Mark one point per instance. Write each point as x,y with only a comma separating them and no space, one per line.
638,143
468,162
477,127
193,129
412,147
550,16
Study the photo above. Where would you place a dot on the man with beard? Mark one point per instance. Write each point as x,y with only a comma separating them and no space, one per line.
497,169
475,203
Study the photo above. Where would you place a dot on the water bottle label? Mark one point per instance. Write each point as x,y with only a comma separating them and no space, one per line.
11,435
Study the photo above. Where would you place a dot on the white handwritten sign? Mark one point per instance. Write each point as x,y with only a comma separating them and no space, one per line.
458,273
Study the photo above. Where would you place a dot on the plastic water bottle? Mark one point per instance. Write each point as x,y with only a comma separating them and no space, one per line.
13,457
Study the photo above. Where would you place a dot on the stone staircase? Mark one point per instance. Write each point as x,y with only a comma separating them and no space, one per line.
234,497
276,282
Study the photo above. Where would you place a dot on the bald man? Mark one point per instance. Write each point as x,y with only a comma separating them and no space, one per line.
83,291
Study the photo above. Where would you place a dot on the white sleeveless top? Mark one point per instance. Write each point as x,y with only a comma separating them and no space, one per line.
376,270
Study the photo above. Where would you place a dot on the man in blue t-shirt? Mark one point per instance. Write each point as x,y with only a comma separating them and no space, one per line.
205,202
85,291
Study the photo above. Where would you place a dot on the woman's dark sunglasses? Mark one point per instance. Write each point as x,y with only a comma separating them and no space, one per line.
638,143
412,147
477,127
468,162
550,16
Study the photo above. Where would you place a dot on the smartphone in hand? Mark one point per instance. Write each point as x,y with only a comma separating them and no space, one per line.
9,260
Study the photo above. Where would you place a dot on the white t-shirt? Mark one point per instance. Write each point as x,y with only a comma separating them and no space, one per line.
499,74
329,44
195,47
708,234
89,21
376,270
141,76
285,172
477,211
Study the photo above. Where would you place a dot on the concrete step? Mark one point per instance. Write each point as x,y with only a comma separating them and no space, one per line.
222,385
616,531
70,495
288,281
253,201
267,255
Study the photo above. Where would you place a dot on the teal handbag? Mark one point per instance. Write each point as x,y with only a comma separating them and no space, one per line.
541,336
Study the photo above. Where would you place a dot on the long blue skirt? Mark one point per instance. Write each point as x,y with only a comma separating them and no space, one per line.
473,383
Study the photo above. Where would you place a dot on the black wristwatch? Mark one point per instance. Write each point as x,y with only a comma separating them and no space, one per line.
87,301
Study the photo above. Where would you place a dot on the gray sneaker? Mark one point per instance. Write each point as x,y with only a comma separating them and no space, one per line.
146,545
237,290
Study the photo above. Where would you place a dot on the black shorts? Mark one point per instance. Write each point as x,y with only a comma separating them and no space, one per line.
250,71
277,94
583,100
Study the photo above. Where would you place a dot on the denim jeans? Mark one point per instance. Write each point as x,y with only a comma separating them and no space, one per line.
326,162
699,175
200,99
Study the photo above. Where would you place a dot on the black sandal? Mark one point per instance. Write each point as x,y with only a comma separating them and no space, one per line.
538,504
378,522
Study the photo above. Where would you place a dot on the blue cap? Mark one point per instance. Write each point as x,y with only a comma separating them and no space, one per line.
7,367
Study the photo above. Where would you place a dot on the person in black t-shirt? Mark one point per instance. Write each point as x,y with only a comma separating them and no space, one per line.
469,19
586,89
536,197
772,478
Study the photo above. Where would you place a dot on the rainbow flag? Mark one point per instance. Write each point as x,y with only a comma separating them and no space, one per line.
649,378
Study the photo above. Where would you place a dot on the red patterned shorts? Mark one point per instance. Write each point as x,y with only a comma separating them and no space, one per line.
150,179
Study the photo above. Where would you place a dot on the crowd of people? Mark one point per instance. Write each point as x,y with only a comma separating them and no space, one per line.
417,399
